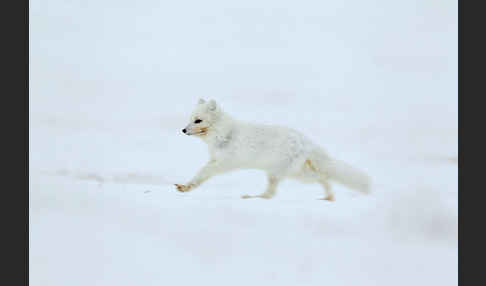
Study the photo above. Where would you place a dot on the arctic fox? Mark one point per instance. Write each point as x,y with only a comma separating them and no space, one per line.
281,152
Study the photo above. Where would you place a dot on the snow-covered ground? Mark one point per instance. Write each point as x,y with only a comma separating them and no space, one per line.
112,84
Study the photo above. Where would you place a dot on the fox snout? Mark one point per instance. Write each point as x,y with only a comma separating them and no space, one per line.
187,131
191,130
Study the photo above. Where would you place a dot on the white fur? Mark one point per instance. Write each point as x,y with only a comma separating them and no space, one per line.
281,152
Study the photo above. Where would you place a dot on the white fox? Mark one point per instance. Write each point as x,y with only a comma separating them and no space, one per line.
281,152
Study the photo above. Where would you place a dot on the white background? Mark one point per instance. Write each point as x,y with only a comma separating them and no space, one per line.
112,83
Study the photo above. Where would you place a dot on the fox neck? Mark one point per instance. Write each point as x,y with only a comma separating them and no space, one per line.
219,129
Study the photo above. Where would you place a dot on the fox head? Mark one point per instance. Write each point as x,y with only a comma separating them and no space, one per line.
204,116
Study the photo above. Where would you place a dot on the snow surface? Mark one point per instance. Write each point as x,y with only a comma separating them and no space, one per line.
112,84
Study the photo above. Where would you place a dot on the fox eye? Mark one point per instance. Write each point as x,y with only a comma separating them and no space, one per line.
198,121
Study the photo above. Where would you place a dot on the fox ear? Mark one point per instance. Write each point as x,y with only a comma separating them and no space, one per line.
212,105
201,101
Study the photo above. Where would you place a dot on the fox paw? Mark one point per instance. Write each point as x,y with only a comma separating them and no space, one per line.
262,196
183,188
329,198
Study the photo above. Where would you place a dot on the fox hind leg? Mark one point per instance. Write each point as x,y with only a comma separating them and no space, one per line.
322,178
328,194
270,191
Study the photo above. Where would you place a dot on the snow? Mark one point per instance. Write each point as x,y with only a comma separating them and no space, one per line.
112,83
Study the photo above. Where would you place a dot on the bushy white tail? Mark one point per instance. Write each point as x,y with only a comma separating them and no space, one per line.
347,175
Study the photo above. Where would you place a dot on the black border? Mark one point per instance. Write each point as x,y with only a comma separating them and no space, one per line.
460,87
460,35
471,65
26,140
14,212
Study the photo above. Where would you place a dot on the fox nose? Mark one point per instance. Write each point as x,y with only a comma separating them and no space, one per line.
184,130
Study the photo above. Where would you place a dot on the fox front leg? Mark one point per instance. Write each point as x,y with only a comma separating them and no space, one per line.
210,169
